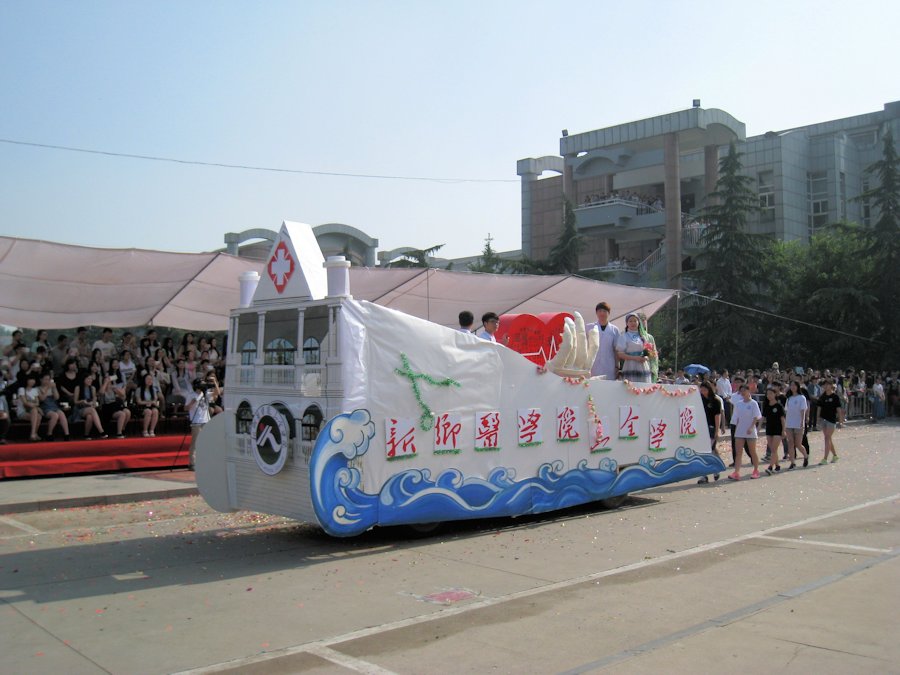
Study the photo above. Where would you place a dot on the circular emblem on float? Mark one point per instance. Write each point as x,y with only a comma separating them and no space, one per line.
270,435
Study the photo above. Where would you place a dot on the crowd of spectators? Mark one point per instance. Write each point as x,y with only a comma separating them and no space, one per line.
639,200
875,392
105,383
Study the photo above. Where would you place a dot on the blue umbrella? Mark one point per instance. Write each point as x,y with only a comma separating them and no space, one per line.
696,369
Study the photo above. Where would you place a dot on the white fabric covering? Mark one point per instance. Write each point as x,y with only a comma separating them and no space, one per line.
52,285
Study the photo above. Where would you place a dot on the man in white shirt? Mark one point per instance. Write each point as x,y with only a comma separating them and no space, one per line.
723,389
106,346
466,321
605,364
491,322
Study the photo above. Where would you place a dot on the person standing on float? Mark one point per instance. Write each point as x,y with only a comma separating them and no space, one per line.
605,364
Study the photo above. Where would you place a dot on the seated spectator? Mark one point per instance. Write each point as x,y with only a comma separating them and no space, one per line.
147,401
181,382
83,347
145,351
28,404
127,366
4,419
68,382
98,358
48,395
128,343
87,405
113,396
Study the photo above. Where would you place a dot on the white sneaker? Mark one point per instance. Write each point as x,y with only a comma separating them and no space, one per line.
145,434
152,434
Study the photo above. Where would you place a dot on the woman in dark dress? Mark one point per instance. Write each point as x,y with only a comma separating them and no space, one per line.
773,412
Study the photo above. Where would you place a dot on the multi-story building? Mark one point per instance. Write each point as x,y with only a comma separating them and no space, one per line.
638,189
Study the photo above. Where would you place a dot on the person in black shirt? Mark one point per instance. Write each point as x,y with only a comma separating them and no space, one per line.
773,411
712,406
831,416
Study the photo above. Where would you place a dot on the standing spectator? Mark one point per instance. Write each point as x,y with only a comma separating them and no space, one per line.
83,346
605,363
814,389
198,412
878,396
745,417
652,350
59,354
105,344
466,321
773,412
490,323
831,412
796,410
129,343
712,407
723,389
43,340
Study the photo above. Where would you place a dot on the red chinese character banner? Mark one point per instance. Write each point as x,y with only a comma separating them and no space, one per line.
658,427
629,416
530,432
687,424
399,438
487,430
447,428
567,424
601,436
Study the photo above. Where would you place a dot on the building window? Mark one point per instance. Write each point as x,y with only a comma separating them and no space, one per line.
311,351
309,425
766,182
843,196
866,203
248,353
817,193
865,139
243,418
280,352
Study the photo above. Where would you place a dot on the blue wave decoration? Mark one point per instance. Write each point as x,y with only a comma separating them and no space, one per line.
412,496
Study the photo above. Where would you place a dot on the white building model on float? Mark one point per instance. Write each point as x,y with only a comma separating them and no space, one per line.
351,415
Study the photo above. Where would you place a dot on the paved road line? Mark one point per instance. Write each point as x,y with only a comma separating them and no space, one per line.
12,522
348,661
560,585
830,544
730,617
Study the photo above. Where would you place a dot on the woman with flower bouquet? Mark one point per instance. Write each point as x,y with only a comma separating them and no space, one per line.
650,350
631,350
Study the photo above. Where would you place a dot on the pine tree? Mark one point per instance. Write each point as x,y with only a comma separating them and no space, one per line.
883,240
489,261
563,258
729,269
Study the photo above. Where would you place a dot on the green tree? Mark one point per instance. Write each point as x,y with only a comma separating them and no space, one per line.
489,261
729,270
883,242
416,257
563,258
819,284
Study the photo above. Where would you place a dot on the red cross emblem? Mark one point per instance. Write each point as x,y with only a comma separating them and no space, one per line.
281,266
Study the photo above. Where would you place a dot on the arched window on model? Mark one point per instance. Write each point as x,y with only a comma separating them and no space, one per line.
248,353
311,351
243,418
280,352
312,420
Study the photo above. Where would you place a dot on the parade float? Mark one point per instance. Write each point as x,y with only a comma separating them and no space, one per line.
352,415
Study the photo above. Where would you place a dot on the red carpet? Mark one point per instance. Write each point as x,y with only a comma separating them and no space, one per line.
79,456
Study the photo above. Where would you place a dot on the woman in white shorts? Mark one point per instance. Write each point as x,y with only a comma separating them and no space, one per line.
796,411
745,417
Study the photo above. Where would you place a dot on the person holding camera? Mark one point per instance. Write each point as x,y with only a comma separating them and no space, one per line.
198,405
147,400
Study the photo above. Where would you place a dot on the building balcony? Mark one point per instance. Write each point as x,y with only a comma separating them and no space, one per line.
619,217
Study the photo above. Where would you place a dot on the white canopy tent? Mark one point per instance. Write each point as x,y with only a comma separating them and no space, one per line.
52,285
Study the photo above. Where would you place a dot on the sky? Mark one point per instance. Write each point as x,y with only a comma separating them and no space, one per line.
424,90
